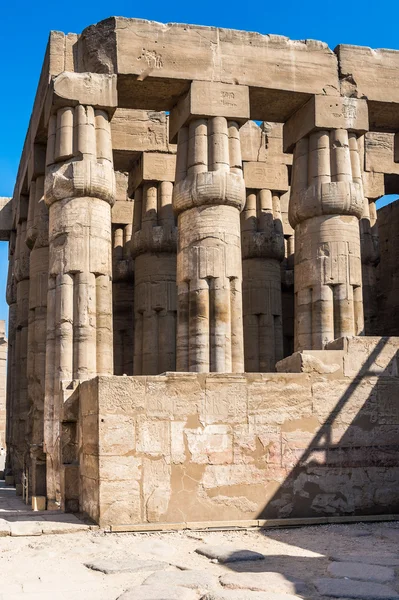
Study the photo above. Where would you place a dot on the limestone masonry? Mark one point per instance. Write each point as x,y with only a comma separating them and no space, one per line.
201,306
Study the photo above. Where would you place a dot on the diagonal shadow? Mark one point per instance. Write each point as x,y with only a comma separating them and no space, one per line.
365,444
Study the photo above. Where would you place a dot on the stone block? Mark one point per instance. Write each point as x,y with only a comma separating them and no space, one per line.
348,588
122,213
93,89
373,184
368,356
312,361
18,489
38,503
210,99
262,582
353,570
6,219
159,592
326,112
266,175
130,565
152,166
379,150
371,74
196,580
229,554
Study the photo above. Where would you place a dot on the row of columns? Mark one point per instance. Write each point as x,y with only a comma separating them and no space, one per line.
207,259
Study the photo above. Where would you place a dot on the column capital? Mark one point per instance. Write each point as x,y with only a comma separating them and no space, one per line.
88,89
151,182
210,99
326,112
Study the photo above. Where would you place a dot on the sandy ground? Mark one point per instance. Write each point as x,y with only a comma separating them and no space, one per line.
52,566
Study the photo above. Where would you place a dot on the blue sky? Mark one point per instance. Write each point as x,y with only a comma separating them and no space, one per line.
25,26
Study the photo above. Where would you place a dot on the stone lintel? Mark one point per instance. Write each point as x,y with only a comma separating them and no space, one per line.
152,166
6,219
380,153
373,185
266,176
122,213
210,99
326,112
37,161
88,89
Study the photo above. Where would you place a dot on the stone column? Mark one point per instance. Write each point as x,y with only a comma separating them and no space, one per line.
11,409
3,386
153,247
262,239
79,191
208,196
326,204
122,278
262,252
21,405
37,241
374,188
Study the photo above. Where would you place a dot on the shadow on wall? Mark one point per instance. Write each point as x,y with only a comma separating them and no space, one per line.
349,470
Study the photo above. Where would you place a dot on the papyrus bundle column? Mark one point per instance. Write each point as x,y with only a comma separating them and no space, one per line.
262,252
325,206
262,239
11,408
154,250
122,278
208,196
20,424
79,191
37,241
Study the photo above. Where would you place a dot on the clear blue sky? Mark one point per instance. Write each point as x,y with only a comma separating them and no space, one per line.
25,26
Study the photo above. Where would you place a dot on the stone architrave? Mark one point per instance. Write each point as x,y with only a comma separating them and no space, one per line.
153,247
79,191
326,203
208,196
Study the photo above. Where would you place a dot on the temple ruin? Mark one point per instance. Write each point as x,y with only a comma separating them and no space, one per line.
203,297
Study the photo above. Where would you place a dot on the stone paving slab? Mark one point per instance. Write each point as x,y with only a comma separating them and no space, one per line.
197,580
368,572
159,592
262,582
225,554
247,595
130,565
362,590
368,559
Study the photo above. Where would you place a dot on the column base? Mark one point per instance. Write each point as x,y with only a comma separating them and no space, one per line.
39,503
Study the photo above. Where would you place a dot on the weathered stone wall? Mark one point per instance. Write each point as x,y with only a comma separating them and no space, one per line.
202,447
388,270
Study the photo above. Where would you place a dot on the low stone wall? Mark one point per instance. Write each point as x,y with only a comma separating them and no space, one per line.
183,447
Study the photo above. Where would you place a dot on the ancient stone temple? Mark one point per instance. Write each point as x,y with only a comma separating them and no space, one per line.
202,294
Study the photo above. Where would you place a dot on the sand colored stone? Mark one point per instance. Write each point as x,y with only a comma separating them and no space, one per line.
187,219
